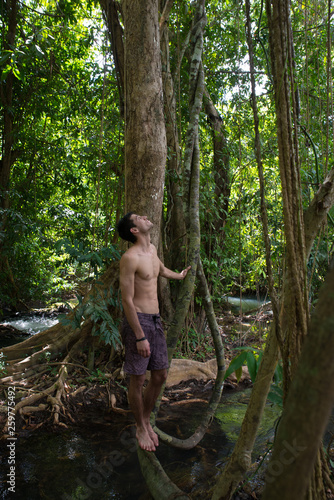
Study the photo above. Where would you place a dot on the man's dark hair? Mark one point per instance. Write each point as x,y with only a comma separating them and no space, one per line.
124,226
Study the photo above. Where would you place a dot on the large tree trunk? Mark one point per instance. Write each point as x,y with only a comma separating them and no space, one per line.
174,230
311,393
294,303
240,460
145,135
214,225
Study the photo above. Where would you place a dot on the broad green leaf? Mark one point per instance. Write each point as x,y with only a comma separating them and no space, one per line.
238,373
252,365
236,364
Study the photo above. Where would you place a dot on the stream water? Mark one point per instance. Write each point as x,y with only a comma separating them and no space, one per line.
26,324
32,324
245,303
98,459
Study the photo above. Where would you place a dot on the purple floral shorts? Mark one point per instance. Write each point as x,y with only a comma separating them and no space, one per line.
135,364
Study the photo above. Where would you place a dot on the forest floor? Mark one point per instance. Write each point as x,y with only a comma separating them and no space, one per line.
109,386
105,394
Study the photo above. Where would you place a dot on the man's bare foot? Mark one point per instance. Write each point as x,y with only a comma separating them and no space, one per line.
153,435
144,439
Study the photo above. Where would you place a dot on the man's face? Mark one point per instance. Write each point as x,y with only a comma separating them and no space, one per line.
142,223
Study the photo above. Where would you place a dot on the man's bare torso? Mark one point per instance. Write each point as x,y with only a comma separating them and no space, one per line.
147,267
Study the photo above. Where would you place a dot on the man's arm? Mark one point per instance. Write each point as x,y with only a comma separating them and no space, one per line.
167,273
128,266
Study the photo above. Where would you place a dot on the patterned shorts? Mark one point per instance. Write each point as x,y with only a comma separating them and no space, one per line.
135,364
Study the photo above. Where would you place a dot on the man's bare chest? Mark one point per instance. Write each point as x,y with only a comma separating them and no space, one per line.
148,268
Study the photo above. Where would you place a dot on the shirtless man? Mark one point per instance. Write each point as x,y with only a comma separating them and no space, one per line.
143,337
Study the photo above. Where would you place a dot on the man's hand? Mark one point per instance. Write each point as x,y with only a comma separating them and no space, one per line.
167,273
143,348
184,273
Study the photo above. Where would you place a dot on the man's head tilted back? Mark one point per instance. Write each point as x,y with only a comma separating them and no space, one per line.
124,228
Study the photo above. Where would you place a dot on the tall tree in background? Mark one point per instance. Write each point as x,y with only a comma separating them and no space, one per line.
294,300
294,304
8,153
6,93
297,469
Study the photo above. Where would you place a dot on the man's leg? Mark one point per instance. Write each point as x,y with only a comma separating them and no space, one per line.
151,394
137,407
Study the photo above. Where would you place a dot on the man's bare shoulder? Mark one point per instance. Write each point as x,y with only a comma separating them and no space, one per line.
129,258
153,249
130,252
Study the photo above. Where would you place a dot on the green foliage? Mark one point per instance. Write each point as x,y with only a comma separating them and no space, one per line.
275,395
66,181
96,309
252,358
78,253
45,357
97,376
100,300
3,369
194,345
57,101
249,355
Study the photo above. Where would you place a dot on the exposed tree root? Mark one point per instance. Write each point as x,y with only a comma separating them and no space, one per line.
28,410
193,440
32,376
326,471
51,393
29,363
159,484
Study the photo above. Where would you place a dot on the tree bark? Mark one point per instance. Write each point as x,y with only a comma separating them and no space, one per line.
196,90
115,33
145,135
160,486
221,162
311,393
316,214
174,229
295,304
